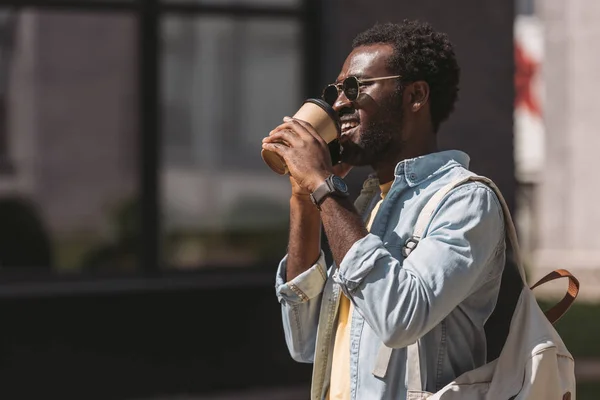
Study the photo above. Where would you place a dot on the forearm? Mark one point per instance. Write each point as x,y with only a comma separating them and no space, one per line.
304,245
343,226
403,298
396,303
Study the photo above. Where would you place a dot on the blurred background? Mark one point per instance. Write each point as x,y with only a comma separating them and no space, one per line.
140,229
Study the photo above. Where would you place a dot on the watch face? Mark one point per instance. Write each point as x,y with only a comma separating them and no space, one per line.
339,184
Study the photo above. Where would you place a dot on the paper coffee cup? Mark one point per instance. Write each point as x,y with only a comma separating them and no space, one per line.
321,116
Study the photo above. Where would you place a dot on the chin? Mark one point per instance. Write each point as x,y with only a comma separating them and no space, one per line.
355,159
369,147
357,155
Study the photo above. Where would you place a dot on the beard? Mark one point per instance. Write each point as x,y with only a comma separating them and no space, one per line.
380,139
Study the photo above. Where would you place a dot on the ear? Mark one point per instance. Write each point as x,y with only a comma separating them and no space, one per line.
419,95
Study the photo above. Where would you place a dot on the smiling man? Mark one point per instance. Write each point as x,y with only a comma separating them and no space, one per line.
358,319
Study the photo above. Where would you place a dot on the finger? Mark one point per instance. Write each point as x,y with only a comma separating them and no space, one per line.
284,132
305,126
290,125
283,126
277,148
294,135
308,128
285,135
303,130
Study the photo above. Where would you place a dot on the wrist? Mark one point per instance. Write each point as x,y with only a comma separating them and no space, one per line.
300,197
317,181
333,185
303,204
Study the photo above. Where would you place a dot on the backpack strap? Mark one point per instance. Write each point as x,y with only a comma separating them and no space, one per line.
427,212
413,359
561,308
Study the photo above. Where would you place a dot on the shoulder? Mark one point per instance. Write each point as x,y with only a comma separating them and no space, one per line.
468,198
474,189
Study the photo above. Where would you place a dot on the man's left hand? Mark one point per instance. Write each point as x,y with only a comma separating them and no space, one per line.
305,152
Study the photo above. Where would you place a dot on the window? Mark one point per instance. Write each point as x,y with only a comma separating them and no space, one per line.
7,37
227,81
67,81
133,128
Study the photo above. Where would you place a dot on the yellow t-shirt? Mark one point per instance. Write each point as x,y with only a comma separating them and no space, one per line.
339,387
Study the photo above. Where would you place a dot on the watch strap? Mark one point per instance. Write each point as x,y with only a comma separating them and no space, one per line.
327,188
321,192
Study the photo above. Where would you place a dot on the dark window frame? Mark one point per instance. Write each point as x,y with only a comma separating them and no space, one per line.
150,275
6,44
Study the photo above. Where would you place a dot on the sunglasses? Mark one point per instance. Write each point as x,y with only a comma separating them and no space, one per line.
350,86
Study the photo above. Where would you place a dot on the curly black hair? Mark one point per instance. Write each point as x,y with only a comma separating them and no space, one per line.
420,53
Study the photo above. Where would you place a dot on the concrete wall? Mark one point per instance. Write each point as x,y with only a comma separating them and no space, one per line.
567,196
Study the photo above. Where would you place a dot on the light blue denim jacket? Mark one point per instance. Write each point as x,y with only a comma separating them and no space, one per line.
442,294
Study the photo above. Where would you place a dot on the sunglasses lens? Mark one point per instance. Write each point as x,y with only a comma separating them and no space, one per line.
330,94
351,88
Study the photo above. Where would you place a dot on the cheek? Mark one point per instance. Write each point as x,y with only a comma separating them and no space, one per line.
368,105
369,115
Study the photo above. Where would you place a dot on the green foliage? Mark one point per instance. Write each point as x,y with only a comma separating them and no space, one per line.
253,232
121,252
579,328
588,391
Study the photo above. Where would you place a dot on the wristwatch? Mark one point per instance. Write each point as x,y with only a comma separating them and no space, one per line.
333,185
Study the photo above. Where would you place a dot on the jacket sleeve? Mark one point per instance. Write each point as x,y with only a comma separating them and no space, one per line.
300,301
403,299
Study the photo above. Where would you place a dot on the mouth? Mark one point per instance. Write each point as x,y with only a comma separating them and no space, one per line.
348,127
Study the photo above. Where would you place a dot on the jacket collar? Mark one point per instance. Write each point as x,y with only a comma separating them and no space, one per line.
419,169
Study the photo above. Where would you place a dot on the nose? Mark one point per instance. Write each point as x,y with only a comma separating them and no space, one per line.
342,102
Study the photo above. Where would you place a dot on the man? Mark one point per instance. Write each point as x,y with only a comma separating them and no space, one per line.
399,83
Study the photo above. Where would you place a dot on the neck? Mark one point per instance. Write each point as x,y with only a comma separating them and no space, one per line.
427,145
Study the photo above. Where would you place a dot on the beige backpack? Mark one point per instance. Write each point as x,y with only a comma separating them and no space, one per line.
533,364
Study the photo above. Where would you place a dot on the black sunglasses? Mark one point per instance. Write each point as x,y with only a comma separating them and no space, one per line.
350,86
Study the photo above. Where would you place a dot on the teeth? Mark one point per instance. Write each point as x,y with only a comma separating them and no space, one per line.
349,125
